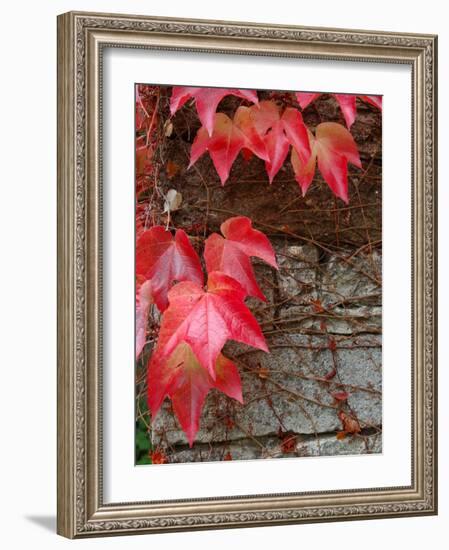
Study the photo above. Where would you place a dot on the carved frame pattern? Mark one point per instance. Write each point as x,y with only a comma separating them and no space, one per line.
81,38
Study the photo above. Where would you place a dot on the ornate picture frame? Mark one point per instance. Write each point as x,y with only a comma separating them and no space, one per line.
82,39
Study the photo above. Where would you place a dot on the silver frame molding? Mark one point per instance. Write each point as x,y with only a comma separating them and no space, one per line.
81,38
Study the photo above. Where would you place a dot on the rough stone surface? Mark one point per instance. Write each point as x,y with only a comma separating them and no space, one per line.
354,278
297,273
246,449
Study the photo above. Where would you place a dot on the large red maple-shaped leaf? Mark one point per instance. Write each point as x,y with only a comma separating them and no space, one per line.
253,141
225,143
207,319
231,254
164,259
186,382
332,148
279,131
206,101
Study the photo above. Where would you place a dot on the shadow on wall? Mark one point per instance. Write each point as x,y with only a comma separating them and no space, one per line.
46,522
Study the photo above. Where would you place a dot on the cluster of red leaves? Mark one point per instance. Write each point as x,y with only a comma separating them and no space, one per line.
267,131
197,321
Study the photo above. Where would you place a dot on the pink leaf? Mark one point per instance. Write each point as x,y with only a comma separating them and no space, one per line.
279,132
340,395
265,115
224,145
277,147
332,148
231,255
304,172
207,319
348,107
244,119
206,100
228,378
296,132
252,241
187,383
163,260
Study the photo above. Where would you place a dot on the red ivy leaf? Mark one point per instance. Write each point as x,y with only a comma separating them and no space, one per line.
288,443
158,457
164,259
279,132
206,100
186,382
348,107
332,147
228,379
207,319
340,395
350,424
331,374
277,146
244,120
231,254
225,143
375,100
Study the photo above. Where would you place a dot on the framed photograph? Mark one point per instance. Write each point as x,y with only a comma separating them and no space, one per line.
246,274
